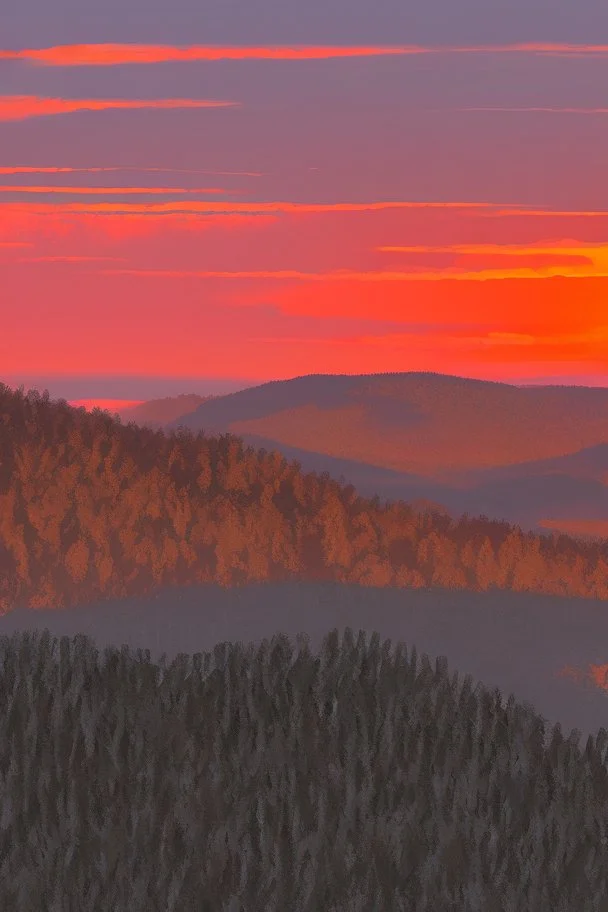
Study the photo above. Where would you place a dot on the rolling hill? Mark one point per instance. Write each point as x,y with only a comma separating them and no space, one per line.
422,423
533,456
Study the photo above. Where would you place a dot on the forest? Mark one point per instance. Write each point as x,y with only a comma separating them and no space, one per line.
356,779
93,509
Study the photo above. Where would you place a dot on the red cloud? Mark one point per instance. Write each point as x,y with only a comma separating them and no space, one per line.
20,107
23,169
120,54
203,207
87,191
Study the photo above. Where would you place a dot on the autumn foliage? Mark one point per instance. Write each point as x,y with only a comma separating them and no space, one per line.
92,509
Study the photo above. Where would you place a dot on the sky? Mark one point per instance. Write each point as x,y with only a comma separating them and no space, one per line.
199,197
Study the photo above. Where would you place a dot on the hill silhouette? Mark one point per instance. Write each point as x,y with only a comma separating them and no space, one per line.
473,446
437,423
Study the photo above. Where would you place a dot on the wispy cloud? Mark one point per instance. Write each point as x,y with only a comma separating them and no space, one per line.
120,54
570,259
517,250
27,169
517,211
21,107
536,110
596,269
203,207
11,244
109,191
71,259
564,260
197,211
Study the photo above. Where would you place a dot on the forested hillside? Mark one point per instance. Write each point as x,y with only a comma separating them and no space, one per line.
90,508
358,778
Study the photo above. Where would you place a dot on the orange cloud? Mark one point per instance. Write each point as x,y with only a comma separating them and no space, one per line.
452,320
580,261
21,107
446,343
481,249
121,54
544,213
15,244
198,208
257,208
87,191
527,308
567,258
19,169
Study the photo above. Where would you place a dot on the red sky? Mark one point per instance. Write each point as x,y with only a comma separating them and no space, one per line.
237,212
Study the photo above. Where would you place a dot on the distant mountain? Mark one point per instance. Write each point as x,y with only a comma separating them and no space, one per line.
589,464
422,423
156,413
526,455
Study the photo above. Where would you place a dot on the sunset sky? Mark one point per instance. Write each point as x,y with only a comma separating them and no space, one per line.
198,197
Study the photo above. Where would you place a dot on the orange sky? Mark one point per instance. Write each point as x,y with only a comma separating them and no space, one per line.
376,207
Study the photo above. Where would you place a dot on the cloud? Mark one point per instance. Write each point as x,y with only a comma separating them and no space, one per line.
200,208
570,259
11,244
538,110
597,269
544,213
21,107
49,221
71,259
567,259
203,207
504,249
121,54
89,191
23,169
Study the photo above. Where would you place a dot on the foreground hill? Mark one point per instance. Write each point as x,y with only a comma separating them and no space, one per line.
91,509
547,650
358,778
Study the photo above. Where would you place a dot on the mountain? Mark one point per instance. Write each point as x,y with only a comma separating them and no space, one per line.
422,423
589,464
533,456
